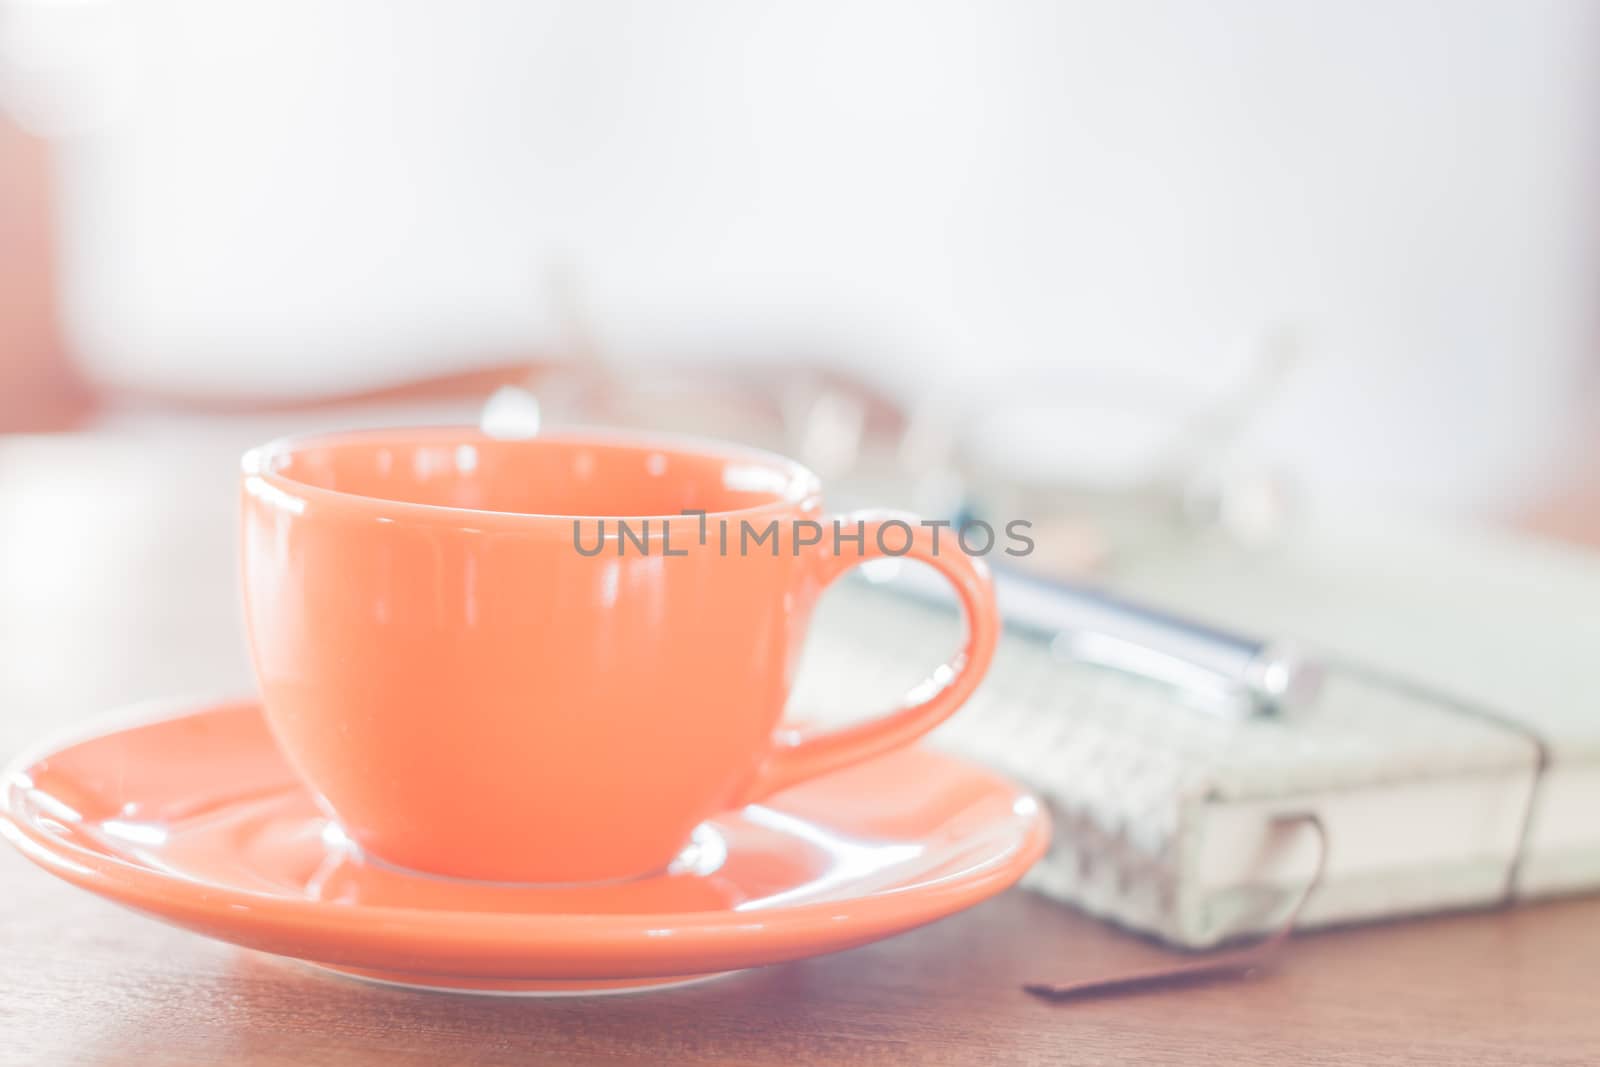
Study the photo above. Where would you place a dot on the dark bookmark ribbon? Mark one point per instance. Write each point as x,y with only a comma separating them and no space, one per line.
1237,963
1243,962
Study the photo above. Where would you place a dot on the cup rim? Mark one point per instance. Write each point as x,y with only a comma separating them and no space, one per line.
802,489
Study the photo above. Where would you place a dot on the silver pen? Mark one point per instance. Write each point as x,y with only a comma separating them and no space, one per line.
1213,668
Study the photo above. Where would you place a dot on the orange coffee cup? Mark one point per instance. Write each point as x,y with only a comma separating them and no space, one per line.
520,660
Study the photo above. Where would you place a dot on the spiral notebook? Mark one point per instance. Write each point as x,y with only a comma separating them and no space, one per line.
1169,818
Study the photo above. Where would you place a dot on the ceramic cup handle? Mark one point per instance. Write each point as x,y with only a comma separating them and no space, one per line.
798,757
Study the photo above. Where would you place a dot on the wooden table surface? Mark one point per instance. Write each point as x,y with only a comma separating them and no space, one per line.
116,583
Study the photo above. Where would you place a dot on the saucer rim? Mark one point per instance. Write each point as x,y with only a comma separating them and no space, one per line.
500,943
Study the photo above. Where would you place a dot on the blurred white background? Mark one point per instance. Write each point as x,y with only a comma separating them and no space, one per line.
965,199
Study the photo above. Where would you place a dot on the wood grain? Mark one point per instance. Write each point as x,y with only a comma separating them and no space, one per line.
116,582
90,984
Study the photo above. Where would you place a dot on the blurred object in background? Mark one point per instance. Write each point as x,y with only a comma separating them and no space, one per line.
1100,466
948,206
39,388
1110,463
1572,511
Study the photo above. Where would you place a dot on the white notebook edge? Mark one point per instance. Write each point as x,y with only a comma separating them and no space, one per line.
1395,850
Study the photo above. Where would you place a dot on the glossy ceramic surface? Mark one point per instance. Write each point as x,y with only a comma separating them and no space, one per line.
476,695
197,819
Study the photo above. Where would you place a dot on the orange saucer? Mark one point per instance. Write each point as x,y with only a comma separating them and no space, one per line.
191,815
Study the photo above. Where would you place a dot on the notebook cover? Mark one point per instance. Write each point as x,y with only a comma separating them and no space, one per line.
1165,813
